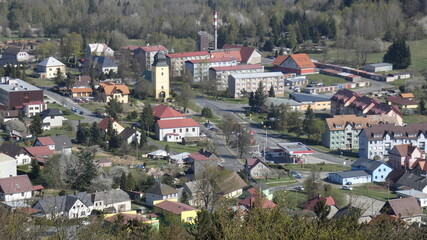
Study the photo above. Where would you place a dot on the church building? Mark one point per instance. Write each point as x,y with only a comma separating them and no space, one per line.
160,76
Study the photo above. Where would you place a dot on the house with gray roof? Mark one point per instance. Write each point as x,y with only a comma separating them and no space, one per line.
406,209
350,177
411,181
379,170
58,143
51,117
160,192
114,200
293,105
68,206
49,68
103,64
14,55
130,135
17,152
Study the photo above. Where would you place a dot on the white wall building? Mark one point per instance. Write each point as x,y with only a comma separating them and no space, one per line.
249,82
174,130
199,69
68,206
160,192
15,188
221,73
21,156
115,198
7,166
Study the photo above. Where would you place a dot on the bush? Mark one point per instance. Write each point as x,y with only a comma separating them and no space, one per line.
207,112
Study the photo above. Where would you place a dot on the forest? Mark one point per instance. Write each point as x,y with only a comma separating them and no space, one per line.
260,23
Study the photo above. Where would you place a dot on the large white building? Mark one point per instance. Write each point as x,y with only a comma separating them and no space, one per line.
98,49
378,140
199,69
221,73
7,166
249,83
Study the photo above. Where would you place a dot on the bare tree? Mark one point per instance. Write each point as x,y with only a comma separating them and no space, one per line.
229,126
186,95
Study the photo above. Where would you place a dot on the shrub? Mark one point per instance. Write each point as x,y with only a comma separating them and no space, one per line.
207,112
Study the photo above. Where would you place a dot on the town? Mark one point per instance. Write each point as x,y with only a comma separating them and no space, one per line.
143,139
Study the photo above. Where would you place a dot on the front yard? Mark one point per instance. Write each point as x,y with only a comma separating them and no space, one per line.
375,191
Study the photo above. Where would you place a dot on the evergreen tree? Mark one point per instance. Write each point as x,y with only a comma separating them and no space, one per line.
251,100
421,107
322,210
167,148
82,134
259,97
271,92
123,181
184,197
95,134
281,52
36,125
398,54
143,141
114,140
87,161
130,182
114,107
308,122
35,169
147,117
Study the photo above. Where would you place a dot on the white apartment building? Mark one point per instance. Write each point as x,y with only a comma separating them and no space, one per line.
378,140
199,69
249,82
221,73
176,61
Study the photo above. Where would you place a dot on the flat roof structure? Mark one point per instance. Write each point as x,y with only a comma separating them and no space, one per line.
11,85
295,148
258,75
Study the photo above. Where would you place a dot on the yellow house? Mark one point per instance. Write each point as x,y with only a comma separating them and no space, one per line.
49,67
317,102
402,102
174,209
111,90
81,92
150,219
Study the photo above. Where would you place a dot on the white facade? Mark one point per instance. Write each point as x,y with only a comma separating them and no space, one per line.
16,196
32,109
120,206
77,210
23,159
7,166
221,76
52,121
249,82
200,69
99,49
176,134
21,56
151,197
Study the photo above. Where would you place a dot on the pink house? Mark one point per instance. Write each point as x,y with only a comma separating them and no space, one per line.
405,156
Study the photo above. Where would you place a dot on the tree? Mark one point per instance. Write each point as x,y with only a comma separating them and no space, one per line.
251,100
130,182
317,129
88,169
398,54
46,49
229,126
322,210
147,117
114,140
82,134
15,125
421,107
36,125
271,92
259,97
123,181
307,123
243,141
207,112
59,78
167,148
184,197
186,95
35,169
312,184
114,107
95,135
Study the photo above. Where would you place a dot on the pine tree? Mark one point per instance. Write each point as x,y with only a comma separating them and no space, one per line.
322,210
184,197
87,161
271,92
95,135
36,125
114,140
130,182
82,134
123,181
421,107
114,108
35,169
259,97
251,100
143,141
167,148
308,121
398,54
147,117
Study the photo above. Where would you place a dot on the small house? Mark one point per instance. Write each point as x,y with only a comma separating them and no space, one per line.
406,209
49,68
256,168
160,192
51,117
15,188
17,152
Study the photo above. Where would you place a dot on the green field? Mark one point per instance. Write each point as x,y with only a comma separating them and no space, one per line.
41,82
325,79
272,182
318,167
93,106
375,191
414,118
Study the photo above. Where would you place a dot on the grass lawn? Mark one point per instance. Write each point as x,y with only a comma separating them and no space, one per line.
215,120
67,113
414,118
272,182
177,147
325,79
42,82
154,163
60,131
93,106
375,191
320,167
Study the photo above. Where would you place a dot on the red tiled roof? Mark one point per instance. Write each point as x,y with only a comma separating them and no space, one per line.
174,207
228,54
38,187
39,151
45,141
177,123
154,48
302,60
163,111
16,184
238,67
27,210
104,123
245,52
187,54
212,60
251,161
81,90
110,88
130,47
251,200
279,60
401,101
198,156
329,201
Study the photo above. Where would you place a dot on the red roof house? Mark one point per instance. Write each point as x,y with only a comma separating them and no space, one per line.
9,187
162,111
39,151
297,63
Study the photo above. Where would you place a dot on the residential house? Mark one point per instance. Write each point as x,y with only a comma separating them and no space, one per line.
199,69
9,115
98,49
349,102
194,193
402,103
16,136
163,112
342,131
420,196
378,140
109,90
350,211
199,161
300,64
16,94
176,61
174,130
180,158
328,201
14,55
249,55
251,199
68,206
314,101
104,162
21,156
103,125
129,216
231,186
58,143
378,67
102,64
293,105
350,177
255,168
40,153
293,152
409,96
146,54
81,92
406,209
379,170
238,83
405,156
15,188
160,192
221,73
51,117
7,166
179,211
411,181
49,68
82,81
115,200
130,135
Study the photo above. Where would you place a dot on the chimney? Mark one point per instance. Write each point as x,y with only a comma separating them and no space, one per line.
215,27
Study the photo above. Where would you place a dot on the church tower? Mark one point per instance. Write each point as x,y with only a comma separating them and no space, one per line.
160,76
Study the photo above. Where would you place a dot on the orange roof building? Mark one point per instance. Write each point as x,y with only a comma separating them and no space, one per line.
81,92
162,112
111,90
296,63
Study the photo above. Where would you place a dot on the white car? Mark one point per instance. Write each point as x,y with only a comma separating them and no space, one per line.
346,188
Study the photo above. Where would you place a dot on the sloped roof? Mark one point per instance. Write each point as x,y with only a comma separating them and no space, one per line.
16,184
154,48
104,123
407,95
164,111
279,60
104,61
404,150
174,207
245,52
127,133
349,174
63,203
11,149
370,165
110,88
111,196
12,51
238,67
404,207
348,211
162,189
310,204
39,151
51,112
305,97
198,156
379,131
232,183
234,54
414,181
99,47
45,141
187,54
50,62
401,100
302,60
340,122
61,142
81,90
177,123
251,200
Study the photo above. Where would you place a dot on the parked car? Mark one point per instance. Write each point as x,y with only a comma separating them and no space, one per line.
299,188
73,109
295,174
320,84
346,188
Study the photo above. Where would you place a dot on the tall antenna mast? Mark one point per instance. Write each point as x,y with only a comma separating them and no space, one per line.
215,27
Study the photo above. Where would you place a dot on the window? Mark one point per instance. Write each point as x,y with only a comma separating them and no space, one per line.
180,130
384,169
194,129
52,117
379,170
376,177
186,130
174,131
189,219
22,194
